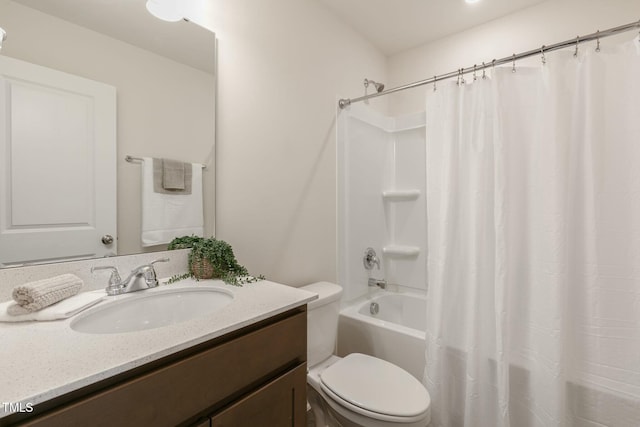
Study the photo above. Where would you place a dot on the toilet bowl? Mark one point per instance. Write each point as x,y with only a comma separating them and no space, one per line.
357,390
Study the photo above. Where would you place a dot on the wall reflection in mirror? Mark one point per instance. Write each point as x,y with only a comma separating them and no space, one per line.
85,83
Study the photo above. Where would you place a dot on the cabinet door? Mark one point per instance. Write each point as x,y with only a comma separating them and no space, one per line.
280,403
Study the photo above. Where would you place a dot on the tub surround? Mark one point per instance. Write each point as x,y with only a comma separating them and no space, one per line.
382,205
45,360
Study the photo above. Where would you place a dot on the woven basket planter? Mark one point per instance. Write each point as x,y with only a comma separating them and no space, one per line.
202,269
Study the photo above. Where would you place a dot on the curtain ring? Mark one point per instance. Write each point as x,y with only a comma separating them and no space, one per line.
434,83
484,71
474,73
462,76
458,82
513,70
598,41
544,59
575,54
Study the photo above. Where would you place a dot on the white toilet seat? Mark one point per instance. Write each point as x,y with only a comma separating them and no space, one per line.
355,383
369,414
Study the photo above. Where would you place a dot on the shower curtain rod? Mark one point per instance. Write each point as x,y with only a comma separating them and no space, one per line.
507,59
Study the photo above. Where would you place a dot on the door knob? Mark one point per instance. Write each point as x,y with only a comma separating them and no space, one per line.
107,239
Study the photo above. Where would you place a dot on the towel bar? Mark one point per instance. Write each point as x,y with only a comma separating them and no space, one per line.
132,159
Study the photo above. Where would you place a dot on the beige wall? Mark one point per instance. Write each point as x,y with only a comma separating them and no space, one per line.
282,65
165,109
544,24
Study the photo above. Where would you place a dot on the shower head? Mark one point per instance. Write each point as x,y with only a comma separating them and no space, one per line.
379,86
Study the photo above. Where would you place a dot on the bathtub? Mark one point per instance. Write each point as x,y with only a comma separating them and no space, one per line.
396,333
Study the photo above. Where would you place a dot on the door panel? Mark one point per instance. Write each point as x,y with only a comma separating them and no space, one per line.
58,160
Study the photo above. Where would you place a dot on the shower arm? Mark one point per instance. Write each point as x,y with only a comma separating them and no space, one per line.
343,103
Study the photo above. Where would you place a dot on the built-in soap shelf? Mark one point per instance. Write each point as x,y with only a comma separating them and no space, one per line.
401,251
401,195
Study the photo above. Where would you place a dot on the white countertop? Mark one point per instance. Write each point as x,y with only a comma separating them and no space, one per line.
44,360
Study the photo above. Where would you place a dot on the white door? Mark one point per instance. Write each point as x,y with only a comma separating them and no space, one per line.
57,165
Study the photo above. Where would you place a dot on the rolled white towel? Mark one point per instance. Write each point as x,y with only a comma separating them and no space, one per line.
60,310
37,295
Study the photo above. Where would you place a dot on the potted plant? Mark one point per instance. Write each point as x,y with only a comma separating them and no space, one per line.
211,258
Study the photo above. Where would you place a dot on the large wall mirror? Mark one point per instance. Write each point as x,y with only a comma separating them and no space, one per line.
156,83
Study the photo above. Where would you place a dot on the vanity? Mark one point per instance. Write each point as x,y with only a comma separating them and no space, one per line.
243,364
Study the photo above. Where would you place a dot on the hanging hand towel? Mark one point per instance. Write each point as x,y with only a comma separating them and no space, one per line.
172,174
158,178
60,310
37,295
166,216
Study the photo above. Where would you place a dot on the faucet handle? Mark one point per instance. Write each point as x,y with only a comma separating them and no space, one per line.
115,284
114,279
370,258
149,272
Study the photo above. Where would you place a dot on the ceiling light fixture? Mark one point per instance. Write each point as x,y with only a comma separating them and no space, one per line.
167,10
471,1
3,37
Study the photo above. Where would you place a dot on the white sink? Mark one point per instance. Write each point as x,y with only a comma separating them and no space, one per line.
151,309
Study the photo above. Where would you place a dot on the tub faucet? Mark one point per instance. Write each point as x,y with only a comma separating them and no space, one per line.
143,277
381,283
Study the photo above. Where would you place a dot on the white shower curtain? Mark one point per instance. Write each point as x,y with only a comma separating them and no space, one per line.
533,193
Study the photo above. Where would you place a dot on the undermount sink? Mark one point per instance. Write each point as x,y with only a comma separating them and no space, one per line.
151,309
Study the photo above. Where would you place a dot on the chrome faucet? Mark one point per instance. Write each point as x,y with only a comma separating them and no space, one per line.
370,259
381,283
143,277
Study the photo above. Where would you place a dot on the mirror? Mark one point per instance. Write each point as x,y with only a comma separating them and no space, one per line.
164,79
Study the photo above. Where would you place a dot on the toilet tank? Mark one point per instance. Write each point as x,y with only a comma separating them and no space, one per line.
322,321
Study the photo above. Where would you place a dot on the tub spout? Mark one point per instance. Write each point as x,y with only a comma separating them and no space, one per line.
381,283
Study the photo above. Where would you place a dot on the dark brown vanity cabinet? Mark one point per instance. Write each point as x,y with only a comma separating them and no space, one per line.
252,377
282,402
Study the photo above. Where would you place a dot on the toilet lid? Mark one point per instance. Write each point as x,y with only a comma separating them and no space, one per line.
376,385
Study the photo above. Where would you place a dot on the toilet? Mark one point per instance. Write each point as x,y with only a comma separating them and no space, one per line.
357,390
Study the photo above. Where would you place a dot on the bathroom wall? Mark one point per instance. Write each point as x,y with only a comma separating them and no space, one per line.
543,24
154,129
282,66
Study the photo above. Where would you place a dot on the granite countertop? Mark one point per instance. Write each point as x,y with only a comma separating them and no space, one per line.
44,360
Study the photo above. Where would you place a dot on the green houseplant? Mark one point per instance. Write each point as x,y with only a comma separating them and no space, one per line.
211,258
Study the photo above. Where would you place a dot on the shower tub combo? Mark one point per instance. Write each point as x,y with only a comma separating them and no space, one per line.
387,325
